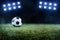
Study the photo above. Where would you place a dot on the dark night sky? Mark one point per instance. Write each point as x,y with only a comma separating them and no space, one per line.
31,13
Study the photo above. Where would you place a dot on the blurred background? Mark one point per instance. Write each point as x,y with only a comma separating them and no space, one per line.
30,12
39,23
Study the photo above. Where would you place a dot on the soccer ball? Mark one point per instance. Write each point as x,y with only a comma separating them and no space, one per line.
16,21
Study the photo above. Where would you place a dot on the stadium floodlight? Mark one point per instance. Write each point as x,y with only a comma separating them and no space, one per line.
4,5
50,4
40,2
40,6
14,7
55,4
49,8
18,2
19,6
9,8
13,3
45,7
5,9
54,8
9,4
45,3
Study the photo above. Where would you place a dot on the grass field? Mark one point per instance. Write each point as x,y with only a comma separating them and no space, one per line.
30,32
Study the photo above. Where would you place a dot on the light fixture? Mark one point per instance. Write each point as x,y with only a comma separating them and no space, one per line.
40,2
4,5
55,4
50,4
14,7
5,9
13,3
54,8
40,6
47,5
19,6
18,2
49,8
11,6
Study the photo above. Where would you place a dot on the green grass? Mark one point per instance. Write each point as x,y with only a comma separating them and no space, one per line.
30,32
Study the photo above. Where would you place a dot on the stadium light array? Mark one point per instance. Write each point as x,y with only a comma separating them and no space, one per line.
47,5
11,6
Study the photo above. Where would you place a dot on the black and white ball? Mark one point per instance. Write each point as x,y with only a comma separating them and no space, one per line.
16,21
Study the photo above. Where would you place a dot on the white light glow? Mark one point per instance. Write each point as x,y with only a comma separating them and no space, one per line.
45,7
9,8
5,9
19,6
40,2
14,7
40,6
45,3
4,5
18,2
49,7
13,3
9,4
50,4
55,4
54,8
